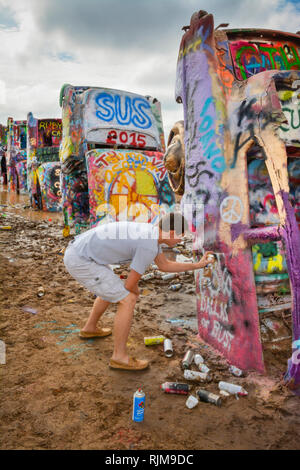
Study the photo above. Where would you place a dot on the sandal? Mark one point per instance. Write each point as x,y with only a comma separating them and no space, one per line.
96,334
133,364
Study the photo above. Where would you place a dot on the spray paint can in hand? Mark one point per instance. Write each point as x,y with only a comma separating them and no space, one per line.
188,359
138,406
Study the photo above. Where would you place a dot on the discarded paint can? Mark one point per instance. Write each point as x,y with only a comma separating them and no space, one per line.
236,371
198,359
150,340
168,348
167,277
40,292
197,376
209,397
232,388
191,402
138,406
175,287
203,368
176,388
158,274
188,359
147,277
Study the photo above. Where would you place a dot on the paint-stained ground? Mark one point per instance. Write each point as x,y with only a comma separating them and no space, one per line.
57,391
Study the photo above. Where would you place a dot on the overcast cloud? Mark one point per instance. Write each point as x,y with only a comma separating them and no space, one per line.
124,44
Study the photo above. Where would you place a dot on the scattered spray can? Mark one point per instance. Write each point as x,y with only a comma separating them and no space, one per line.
203,368
167,277
150,340
168,348
40,292
158,274
175,287
147,277
188,359
198,359
191,402
138,406
209,397
197,376
232,388
176,388
236,371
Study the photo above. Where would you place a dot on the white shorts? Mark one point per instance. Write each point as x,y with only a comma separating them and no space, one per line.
97,278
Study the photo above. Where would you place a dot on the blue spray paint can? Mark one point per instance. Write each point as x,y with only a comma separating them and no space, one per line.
138,406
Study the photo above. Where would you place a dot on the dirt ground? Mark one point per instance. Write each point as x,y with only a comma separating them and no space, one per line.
57,391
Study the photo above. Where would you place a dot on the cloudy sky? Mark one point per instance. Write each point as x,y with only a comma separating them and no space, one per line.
124,44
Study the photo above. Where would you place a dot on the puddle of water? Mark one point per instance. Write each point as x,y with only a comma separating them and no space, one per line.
12,202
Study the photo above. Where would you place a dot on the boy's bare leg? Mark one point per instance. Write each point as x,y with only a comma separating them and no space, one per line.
122,325
98,309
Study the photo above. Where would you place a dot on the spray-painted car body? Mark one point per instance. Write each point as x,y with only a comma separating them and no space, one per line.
111,156
240,93
16,156
43,167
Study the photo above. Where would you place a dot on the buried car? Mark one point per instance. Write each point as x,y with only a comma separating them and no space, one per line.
43,166
111,157
240,93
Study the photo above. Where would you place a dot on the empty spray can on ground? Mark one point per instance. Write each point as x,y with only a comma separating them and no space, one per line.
232,388
150,340
147,277
191,402
175,287
236,371
197,376
198,359
138,406
167,277
188,359
209,397
176,388
168,348
40,292
203,368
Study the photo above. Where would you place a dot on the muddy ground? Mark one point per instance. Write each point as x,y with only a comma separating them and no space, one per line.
57,391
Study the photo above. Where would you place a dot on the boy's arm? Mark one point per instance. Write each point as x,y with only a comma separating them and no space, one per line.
131,283
173,267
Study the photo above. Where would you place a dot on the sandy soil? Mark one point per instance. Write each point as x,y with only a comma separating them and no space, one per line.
57,391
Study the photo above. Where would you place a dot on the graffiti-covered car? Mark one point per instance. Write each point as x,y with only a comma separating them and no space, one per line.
16,156
43,166
240,94
112,157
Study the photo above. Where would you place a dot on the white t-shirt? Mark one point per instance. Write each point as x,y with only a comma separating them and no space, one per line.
119,243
